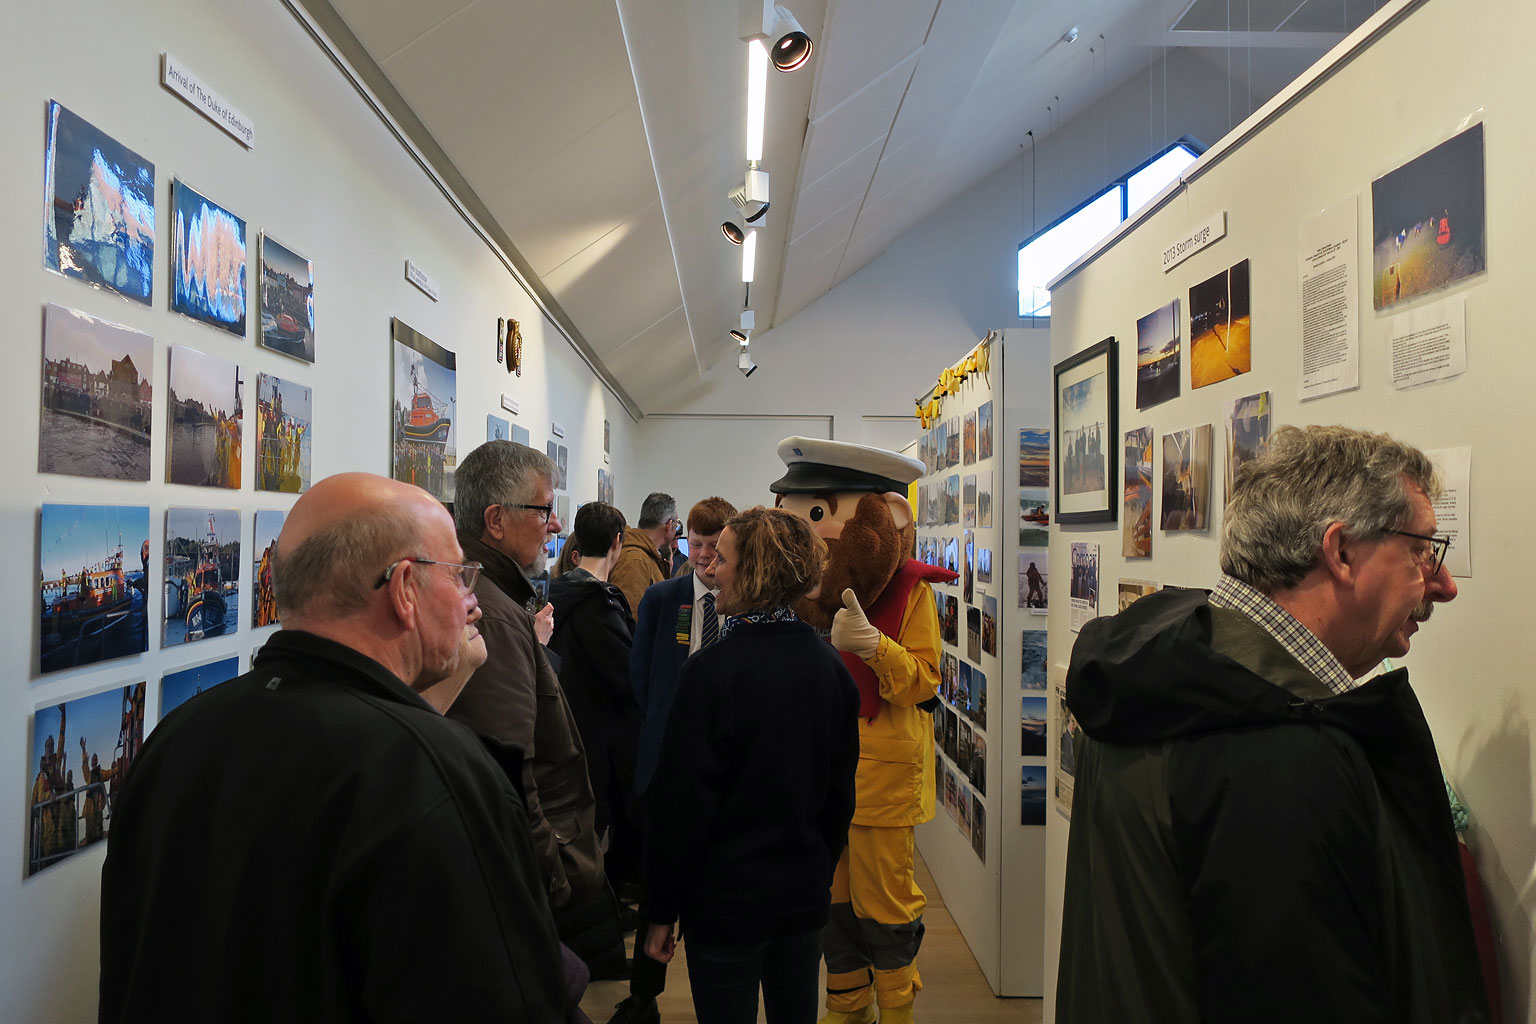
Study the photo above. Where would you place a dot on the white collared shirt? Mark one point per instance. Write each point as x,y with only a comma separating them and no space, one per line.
699,590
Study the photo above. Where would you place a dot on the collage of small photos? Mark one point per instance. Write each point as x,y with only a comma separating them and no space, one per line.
958,508
98,591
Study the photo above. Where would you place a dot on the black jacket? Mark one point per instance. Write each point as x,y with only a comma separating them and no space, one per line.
312,841
750,804
1246,846
593,636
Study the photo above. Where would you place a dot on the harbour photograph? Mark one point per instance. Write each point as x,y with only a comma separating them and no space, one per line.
426,394
284,418
176,688
202,573
1157,356
95,418
99,226
269,523
1032,726
94,563
1032,795
287,301
206,415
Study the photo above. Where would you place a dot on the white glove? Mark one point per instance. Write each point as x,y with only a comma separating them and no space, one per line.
852,631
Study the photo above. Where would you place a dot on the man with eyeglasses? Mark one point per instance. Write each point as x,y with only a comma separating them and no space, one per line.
641,561
503,508
313,840
1258,833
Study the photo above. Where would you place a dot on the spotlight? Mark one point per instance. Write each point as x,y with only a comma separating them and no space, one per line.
740,338
751,196
748,320
745,364
732,233
794,47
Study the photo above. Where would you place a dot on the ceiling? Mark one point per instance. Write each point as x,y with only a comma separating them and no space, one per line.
599,137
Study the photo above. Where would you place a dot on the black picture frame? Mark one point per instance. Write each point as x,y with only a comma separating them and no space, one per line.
1084,465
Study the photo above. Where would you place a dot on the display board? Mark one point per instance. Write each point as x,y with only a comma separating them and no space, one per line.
1372,273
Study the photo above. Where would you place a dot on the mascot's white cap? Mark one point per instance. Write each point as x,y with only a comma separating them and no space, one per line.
818,466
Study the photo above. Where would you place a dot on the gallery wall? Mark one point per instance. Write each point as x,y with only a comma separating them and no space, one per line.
1371,115
328,178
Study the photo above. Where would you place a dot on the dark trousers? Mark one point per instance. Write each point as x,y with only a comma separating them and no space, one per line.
725,978
648,978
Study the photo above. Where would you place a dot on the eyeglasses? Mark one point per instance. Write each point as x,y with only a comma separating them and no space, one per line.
468,573
1439,545
544,511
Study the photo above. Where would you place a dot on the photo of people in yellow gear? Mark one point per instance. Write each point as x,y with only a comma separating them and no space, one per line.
877,606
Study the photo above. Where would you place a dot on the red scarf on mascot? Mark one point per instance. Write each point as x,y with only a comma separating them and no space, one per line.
885,615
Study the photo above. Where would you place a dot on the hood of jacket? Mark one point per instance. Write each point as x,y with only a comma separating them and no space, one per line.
570,590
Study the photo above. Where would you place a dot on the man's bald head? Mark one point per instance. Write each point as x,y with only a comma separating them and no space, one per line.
339,537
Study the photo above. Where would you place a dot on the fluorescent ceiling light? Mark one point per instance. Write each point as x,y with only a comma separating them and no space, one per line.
748,257
757,98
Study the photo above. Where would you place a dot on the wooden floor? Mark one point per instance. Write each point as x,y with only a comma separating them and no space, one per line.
954,989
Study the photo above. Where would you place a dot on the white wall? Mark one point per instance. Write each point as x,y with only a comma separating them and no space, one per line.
1471,676
327,179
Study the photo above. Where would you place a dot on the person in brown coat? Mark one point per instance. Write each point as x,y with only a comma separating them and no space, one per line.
504,513
641,562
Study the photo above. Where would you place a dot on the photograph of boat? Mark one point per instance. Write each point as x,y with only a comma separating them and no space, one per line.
99,225
287,301
202,573
269,523
95,418
176,688
95,571
206,415
67,812
284,416
207,261
426,393
1032,794
1032,722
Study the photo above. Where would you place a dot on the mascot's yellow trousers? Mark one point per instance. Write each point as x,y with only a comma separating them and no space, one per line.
876,927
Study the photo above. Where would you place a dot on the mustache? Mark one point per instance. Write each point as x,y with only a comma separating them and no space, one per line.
1422,611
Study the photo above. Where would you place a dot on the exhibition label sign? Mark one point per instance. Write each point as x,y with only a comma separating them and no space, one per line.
1212,230
175,77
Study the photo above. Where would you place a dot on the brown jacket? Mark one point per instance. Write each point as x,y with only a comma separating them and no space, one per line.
638,567
516,698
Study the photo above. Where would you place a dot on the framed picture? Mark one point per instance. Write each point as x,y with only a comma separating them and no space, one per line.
1087,438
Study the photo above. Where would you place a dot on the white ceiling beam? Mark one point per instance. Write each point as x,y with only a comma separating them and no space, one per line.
1320,41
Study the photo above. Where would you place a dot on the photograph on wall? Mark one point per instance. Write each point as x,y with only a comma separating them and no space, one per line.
1032,659
520,436
949,675
1032,794
984,431
983,565
951,792
269,523
562,465
1067,733
99,216
1034,516
1219,327
1131,591
426,397
989,624
207,261
202,573
978,772
287,301
963,683
1157,356
979,826
963,809
970,439
952,453
1086,397
67,812
1247,433
951,733
952,555
949,618
968,575
952,500
920,508
984,499
935,514
925,451
206,413
963,757
1034,457
95,418
176,688
95,583
1136,526
607,438
978,707
1034,575
284,418
968,501
1187,478
1427,220
497,429
973,633
941,446
1085,584
1032,725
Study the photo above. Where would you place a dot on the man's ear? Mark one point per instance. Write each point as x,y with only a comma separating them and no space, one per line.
901,512
402,598
492,526
1338,554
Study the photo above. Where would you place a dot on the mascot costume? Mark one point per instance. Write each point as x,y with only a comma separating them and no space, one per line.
876,604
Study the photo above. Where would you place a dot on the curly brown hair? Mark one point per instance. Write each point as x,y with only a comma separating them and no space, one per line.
778,558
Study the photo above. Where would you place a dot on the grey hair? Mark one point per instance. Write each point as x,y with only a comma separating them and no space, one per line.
336,567
1310,477
496,473
657,509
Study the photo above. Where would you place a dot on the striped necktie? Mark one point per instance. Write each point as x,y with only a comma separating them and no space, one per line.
709,623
